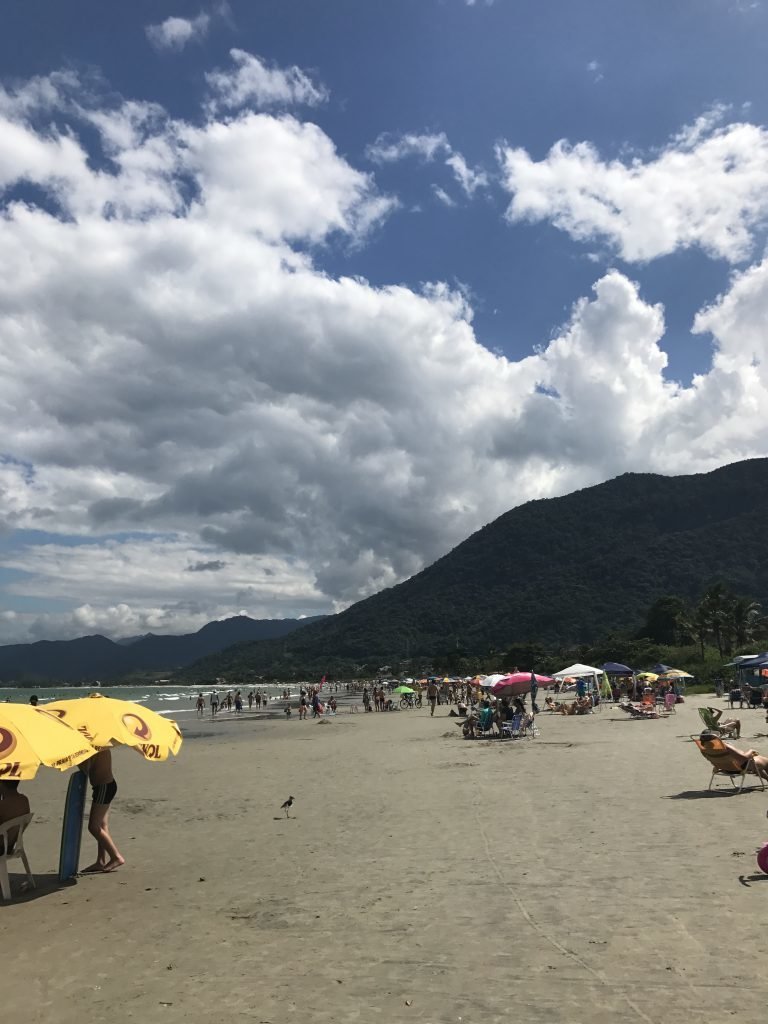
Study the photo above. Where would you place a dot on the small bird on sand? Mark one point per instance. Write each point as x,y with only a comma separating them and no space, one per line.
285,807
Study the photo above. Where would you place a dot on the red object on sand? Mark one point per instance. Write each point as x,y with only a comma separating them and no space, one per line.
762,858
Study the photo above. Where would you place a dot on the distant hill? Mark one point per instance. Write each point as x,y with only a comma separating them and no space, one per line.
559,570
96,657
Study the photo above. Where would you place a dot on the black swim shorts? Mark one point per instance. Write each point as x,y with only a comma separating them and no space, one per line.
105,793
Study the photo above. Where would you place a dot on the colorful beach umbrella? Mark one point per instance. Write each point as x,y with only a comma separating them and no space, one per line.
109,722
518,683
30,737
403,689
674,673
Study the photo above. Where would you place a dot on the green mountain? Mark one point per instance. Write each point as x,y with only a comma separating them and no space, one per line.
96,657
558,571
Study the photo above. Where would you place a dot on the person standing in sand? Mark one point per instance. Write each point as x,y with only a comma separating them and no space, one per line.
104,788
432,696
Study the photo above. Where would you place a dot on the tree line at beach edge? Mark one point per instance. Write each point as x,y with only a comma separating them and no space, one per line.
697,637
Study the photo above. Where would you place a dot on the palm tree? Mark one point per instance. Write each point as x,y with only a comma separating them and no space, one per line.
744,619
715,607
697,623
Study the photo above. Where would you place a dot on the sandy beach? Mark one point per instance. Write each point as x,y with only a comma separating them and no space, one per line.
585,876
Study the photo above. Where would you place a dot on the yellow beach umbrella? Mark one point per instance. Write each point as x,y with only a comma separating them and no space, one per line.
648,677
109,722
675,673
30,737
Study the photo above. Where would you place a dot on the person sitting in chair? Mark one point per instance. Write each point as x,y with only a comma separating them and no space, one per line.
731,726
13,804
735,694
761,762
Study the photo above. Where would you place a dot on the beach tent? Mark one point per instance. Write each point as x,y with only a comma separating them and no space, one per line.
752,671
578,671
596,678
615,668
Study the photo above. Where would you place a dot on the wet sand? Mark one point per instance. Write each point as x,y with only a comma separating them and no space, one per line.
585,876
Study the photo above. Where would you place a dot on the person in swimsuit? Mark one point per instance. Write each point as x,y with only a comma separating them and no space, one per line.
99,771
200,705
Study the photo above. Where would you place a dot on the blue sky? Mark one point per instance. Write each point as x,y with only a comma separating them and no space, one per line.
534,253
479,73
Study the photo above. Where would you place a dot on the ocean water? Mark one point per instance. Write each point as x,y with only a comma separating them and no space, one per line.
174,701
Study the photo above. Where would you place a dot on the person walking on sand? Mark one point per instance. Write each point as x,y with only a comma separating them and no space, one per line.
200,705
214,703
432,696
104,789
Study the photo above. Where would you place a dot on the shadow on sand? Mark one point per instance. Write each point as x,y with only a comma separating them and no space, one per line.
748,880
45,885
704,794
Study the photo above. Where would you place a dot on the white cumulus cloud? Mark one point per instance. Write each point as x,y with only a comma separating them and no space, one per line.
708,188
182,382
254,83
428,146
175,33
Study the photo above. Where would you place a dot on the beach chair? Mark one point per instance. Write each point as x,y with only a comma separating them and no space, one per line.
725,761
529,729
512,727
670,703
12,845
639,711
485,722
719,729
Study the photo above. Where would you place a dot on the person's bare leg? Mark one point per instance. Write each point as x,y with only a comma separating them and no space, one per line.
109,857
